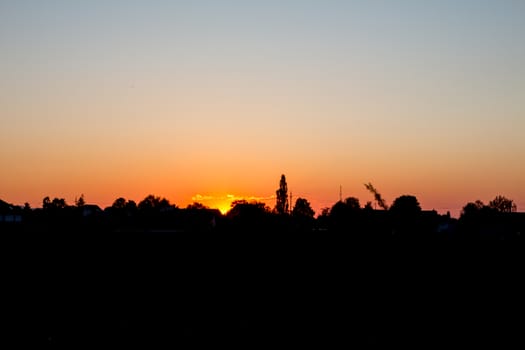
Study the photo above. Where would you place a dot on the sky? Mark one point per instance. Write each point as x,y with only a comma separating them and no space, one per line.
214,100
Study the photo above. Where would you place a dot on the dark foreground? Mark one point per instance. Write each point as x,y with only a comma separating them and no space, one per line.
153,289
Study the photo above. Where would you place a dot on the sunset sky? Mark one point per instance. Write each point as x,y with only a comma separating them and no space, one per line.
214,100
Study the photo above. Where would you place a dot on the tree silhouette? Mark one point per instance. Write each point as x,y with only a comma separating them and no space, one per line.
499,204
80,202
281,206
121,207
345,215
196,205
406,215
472,209
46,203
252,215
302,209
303,215
406,205
119,203
503,205
131,206
59,203
469,210
345,208
151,202
377,196
338,210
241,205
165,204
479,204
56,203
352,203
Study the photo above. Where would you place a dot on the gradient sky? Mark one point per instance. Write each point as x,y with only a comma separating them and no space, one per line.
214,98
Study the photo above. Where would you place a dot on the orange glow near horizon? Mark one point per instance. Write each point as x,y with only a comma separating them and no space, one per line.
442,196
223,202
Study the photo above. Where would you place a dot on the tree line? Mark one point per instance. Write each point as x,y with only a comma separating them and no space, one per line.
404,217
